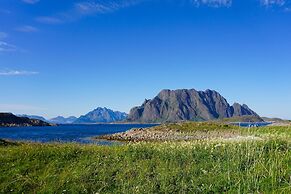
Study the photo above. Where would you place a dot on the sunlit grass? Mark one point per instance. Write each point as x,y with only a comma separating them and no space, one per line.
168,167
216,127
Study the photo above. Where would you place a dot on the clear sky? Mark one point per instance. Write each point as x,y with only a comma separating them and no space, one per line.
65,57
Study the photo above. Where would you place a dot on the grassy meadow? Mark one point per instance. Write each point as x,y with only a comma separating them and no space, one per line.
202,166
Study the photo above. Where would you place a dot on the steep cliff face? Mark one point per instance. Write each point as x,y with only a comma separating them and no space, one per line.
241,110
178,105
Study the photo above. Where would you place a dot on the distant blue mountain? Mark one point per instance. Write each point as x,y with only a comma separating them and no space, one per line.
102,115
33,117
63,120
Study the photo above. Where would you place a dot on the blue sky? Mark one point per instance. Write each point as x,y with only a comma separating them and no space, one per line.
69,57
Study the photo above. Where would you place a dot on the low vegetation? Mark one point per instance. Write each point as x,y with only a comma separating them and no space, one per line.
198,166
209,127
245,118
188,131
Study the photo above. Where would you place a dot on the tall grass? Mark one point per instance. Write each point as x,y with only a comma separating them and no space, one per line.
169,167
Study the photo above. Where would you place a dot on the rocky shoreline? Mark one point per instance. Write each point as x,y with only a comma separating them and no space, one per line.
168,133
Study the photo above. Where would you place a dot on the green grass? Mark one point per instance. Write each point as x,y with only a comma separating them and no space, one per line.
169,167
246,118
197,126
276,131
209,127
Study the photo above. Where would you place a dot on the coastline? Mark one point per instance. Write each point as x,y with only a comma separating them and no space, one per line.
26,125
175,132
189,131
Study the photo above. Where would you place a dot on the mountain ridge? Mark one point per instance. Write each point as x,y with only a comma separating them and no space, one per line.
63,120
186,104
33,117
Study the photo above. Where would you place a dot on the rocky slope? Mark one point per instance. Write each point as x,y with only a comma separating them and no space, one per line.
10,120
192,105
238,110
101,115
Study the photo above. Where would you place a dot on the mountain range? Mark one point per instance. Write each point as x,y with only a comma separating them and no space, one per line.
102,115
167,106
56,120
63,120
99,115
33,117
183,104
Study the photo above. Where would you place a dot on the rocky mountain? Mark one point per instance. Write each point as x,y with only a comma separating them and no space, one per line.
183,104
10,120
102,115
241,110
63,120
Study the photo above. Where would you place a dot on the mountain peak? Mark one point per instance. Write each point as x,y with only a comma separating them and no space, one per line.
242,110
100,109
102,115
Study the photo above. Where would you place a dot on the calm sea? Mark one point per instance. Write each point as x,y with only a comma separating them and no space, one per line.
66,133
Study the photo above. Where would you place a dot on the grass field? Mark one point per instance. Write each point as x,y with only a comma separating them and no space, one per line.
202,166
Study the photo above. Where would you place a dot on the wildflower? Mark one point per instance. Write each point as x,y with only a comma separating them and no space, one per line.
204,171
217,145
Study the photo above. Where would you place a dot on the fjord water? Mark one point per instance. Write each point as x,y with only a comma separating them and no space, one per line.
66,133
